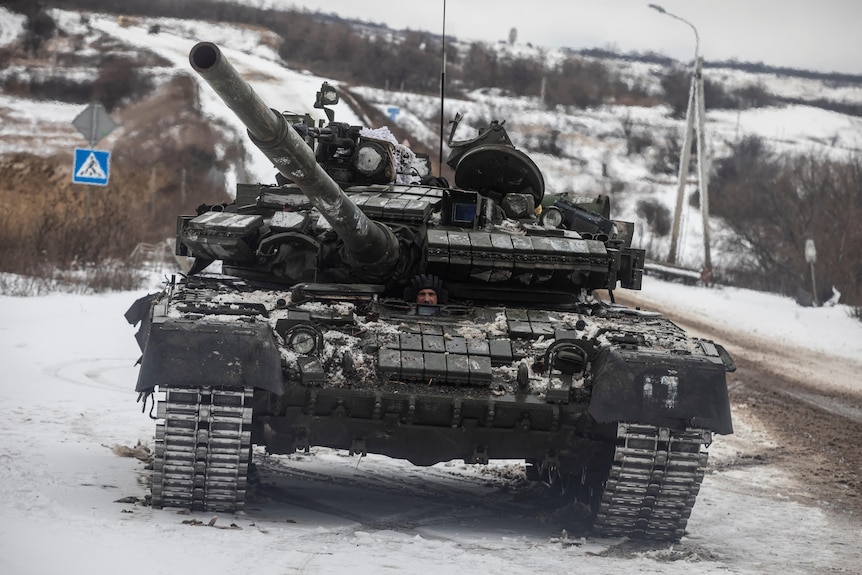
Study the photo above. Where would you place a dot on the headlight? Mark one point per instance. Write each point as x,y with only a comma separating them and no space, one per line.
551,218
302,341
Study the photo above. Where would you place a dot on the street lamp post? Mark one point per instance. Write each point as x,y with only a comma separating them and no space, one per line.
695,118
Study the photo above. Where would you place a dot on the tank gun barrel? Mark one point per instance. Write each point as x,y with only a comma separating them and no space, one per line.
367,244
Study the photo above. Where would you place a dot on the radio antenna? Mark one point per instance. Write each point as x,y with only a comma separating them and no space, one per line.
442,89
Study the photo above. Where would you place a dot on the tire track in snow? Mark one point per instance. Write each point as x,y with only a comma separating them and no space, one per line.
95,373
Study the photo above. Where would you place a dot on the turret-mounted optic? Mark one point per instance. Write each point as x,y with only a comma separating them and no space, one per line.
327,96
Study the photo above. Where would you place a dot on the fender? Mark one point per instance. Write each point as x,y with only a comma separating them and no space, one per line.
662,389
211,353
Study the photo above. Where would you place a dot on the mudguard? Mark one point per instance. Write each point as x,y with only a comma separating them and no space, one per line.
661,389
184,353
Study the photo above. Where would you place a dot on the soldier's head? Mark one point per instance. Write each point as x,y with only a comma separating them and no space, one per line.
426,289
427,296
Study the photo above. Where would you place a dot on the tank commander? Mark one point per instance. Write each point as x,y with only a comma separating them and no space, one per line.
426,289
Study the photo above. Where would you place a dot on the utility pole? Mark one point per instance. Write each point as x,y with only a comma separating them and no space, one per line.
695,119
682,177
703,167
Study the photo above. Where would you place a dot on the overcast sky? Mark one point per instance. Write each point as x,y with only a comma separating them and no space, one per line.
821,35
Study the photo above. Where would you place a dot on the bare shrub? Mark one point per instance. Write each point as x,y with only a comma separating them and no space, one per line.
617,187
667,154
548,143
636,140
677,86
656,215
755,96
118,80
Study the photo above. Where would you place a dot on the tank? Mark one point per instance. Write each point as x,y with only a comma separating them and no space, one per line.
364,304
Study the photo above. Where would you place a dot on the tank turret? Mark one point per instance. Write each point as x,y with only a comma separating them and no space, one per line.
366,243
387,219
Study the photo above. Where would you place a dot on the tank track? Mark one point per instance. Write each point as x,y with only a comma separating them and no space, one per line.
653,482
202,448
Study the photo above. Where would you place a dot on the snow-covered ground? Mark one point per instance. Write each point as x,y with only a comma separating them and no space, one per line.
818,348
819,330
69,503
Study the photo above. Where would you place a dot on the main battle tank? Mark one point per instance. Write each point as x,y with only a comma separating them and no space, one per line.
312,334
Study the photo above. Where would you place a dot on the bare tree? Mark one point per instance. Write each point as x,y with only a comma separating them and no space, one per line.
773,203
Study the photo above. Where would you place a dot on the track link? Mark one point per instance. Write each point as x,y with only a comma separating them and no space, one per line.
202,448
653,482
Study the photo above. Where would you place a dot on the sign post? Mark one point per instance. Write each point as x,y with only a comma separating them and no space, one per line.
92,167
811,257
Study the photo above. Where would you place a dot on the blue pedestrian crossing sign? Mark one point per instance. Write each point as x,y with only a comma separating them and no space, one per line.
91,167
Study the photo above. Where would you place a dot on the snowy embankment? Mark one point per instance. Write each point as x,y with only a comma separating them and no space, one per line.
817,347
822,330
